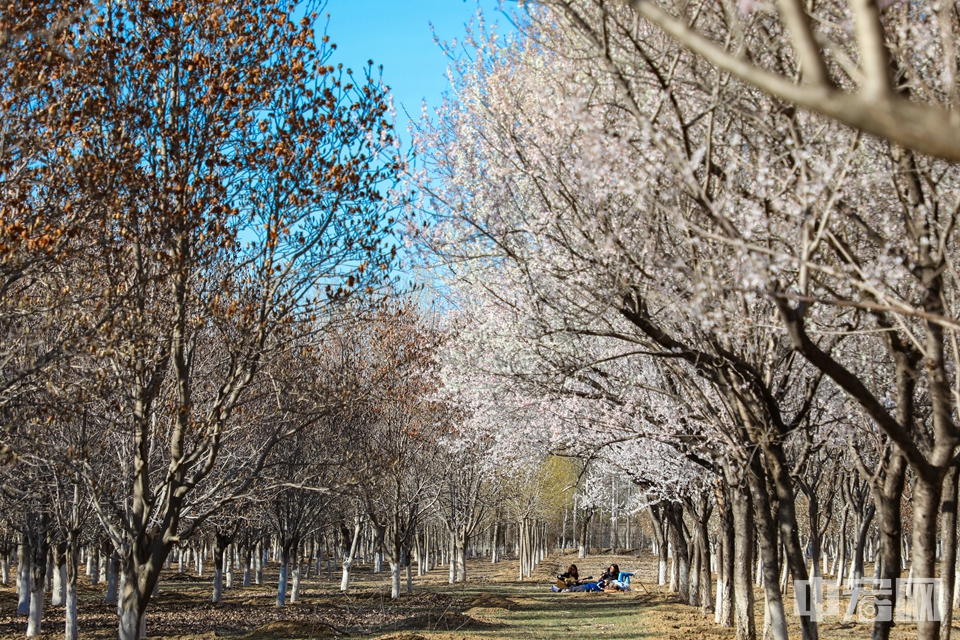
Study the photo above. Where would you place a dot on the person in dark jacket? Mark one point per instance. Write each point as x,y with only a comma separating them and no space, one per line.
569,578
611,578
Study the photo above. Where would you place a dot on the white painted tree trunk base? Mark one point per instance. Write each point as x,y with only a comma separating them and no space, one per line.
295,592
282,587
70,627
218,585
130,627
394,580
36,610
23,589
58,592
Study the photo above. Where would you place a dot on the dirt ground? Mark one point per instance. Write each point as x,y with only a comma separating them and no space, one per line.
493,603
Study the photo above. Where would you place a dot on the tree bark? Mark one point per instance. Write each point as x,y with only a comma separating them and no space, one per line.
219,558
926,505
841,559
247,560
351,555
776,620
460,556
284,565
258,559
93,561
776,461
674,517
36,598
70,628
887,499
706,578
297,571
948,557
662,559
23,577
856,571
218,578
394,579
58,590
725,562
744,532
228,561
39,547
113,577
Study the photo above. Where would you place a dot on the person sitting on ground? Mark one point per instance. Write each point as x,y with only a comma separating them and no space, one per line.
570,578
611,579
585,586
570,581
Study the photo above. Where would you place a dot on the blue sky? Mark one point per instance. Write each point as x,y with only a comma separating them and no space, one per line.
396,34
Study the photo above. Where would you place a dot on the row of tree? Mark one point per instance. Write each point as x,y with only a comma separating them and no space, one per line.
195,244
199,338
746,308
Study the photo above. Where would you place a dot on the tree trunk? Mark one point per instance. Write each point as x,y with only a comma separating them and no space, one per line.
93,560
23,577
258,559
693,550
394,579
452,568
588,514
228,561
36,599
140,568
706,579
775,460
956,581
297,571
106,552
725,563
658,533
282,584
112,579
674,518
218,578
70,629
887,499
133,619
926,505
38,570
71,566
351,555
409,578
856,571
460,556
247,560
948,559
776,620
841,558
58,591
744,532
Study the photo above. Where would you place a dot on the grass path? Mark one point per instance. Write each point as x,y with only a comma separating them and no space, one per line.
500,607
524,612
